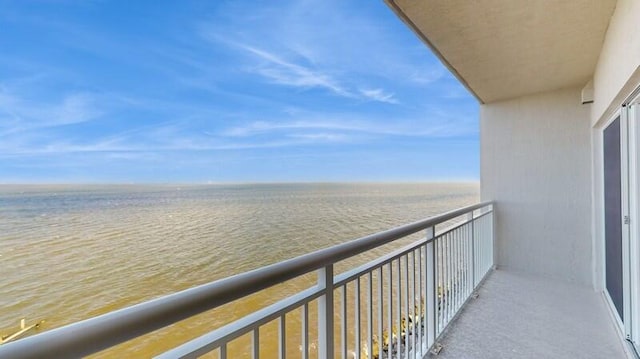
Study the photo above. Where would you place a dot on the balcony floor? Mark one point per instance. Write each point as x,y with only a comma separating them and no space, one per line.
522,316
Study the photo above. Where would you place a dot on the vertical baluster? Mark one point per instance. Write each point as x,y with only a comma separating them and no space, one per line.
380,313
484,247
448,279
461,238
488,245
420,296
399,309
483,237
454,274
487,250
282,334
465,236
470,259
493,236
255,354
478,243
406,305
454,267
445,279
454,270
439,271
459,266
430,261
452,300
369,315
390,306
473,253
488,236
490,240
223,351
357,317
441,266
412,303
484,243
305,331
463,262
325,313
467,269
482,252
343,326
480,249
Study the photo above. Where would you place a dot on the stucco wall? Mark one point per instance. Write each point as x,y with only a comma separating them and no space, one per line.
536,164
616,75
617,71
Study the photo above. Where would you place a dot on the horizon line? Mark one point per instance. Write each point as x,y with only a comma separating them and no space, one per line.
213,183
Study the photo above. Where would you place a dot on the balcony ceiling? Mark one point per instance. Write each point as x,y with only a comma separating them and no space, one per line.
502,49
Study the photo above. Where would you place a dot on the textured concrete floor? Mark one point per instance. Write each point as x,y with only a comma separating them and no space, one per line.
523,316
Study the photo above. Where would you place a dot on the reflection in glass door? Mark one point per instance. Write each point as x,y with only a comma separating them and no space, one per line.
613,215
621,164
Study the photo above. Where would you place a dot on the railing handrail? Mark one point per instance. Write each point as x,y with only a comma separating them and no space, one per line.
104,331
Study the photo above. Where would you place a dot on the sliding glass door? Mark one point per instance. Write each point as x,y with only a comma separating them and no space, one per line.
621,165
613,222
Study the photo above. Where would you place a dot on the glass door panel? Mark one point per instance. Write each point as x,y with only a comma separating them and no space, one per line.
613,215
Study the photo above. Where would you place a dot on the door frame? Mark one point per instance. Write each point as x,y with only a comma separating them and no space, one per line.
633,184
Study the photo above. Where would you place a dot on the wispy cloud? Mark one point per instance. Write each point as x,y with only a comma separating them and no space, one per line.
323,137
398,127
288,73
295,66
379,95
20,114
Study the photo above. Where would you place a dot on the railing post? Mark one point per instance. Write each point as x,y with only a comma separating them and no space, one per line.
493,235
473,251
431,300
325,313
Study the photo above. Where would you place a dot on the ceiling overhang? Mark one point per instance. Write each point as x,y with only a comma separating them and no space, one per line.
502,49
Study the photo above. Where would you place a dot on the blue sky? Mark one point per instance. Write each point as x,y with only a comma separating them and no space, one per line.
226,91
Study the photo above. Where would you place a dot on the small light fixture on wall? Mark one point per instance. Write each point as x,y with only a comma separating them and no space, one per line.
587,93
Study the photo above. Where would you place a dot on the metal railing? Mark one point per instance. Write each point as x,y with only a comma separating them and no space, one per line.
395,306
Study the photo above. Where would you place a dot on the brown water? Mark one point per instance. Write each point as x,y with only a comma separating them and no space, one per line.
73,252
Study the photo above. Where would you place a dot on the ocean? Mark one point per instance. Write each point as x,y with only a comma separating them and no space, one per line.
71,252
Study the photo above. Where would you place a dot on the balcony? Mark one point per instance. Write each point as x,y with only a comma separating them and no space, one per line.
518,315
439,294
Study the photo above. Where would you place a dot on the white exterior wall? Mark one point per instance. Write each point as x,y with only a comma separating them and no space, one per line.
617,72
536,165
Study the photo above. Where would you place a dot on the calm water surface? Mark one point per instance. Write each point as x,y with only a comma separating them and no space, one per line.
72,252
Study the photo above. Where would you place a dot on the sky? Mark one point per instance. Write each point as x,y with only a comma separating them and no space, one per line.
226,91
